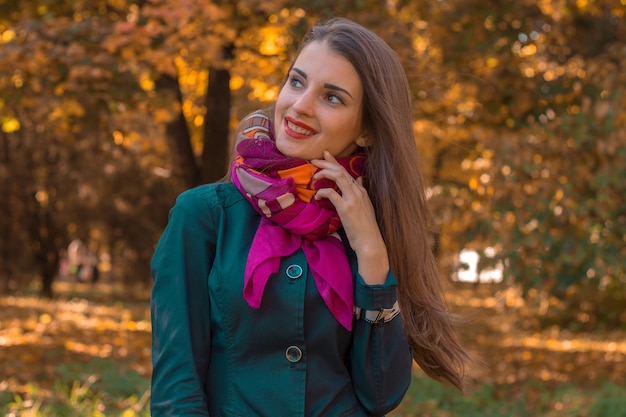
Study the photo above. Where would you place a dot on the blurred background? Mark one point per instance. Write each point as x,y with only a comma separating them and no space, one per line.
110,108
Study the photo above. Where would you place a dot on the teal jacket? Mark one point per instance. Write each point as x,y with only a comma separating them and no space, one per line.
213,355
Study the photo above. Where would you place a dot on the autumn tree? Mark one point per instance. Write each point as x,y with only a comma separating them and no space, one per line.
109,109
184,53
64,104
529,97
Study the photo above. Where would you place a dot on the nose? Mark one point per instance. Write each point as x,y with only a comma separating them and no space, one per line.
304,104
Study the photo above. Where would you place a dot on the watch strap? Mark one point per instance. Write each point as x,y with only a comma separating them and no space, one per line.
376,316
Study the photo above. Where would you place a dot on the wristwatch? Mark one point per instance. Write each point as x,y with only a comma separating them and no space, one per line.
376,316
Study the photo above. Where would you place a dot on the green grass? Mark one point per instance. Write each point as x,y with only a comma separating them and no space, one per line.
427,398
82,384
104,388
99,388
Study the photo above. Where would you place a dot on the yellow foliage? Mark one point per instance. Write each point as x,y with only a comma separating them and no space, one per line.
421,44
509,217
7,36
145,82
558,196
272,42
45,318
118,137
528,50
17,79
270,95
132,137
262,91
492,62
573,109
42,197
162,116
59,89
10,124
473,183
236,82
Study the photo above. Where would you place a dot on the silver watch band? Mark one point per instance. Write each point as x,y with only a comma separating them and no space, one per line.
376,316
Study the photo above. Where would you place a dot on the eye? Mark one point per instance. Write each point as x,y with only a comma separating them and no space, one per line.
295,81
334,98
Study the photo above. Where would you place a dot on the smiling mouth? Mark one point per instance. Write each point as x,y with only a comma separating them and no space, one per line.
293,128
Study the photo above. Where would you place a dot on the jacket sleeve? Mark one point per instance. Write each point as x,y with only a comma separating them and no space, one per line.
179,304
381,359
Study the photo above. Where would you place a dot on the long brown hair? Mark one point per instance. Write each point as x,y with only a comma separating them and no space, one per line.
397,190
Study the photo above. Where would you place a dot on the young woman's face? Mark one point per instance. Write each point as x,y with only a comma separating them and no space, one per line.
320,106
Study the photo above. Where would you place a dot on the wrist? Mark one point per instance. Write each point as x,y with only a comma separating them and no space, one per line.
373,264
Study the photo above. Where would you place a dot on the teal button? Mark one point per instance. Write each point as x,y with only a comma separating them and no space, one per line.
293,354
294,271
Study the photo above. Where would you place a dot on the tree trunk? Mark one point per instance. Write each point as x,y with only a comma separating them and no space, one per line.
178,135
217,119
49,261
216,125
7,218
42,232
435,178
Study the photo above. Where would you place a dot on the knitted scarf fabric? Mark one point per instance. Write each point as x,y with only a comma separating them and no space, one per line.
281,190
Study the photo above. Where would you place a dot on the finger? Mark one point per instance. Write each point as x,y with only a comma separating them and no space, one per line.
336,175
329,157
333,196
331,169
328,162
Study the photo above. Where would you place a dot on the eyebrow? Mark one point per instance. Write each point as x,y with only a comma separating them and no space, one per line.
327,85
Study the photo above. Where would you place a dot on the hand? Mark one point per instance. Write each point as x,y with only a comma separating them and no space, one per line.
358,218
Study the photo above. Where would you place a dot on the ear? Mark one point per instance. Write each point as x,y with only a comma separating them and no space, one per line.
364,140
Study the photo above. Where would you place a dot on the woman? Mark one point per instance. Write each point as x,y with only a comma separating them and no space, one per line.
278,293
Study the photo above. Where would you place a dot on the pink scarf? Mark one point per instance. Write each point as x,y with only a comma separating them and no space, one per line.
281,190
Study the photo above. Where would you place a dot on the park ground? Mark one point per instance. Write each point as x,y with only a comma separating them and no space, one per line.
87,353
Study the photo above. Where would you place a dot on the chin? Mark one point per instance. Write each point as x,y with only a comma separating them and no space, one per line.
285,150
297,155
296,148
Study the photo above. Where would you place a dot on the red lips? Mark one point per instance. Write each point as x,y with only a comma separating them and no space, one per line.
298,130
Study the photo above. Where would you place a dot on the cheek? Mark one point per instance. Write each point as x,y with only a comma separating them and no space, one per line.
282,100
351,126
